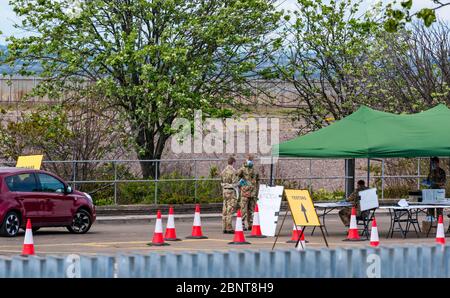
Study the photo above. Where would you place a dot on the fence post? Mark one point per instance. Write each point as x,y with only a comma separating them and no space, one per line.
310,177
418,173
195,181
115,182
382,179
156,182
74,171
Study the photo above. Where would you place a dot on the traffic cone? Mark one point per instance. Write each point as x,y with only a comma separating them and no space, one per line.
374,239
239,237
295,234
28,244
171,234
197,226
440,236
353,234
302,243
256,228
158,239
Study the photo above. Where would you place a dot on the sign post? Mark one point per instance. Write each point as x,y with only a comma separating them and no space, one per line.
303,212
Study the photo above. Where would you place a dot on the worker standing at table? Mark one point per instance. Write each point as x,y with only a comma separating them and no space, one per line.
230,196
353,198
249,180
436,179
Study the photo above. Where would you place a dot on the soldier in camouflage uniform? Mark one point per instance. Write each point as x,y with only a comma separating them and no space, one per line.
248,182
229,189
437,180
345,213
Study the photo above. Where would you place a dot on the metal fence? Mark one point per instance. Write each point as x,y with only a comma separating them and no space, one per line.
384,262
121,182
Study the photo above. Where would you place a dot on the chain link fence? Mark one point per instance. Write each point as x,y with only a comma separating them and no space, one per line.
120,182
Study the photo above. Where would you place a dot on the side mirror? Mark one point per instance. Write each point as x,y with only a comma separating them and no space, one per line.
69,189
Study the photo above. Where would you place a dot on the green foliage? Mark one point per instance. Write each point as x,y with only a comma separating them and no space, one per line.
397,17
45,130
177,189
324,195
155,60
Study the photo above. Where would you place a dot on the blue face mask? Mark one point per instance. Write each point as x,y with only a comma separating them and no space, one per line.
249,163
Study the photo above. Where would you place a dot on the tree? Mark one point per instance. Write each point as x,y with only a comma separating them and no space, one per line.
86,132
397,16
325,58
337,60
413,70
154,60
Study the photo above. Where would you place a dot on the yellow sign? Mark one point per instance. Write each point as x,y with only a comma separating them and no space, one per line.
29,162
302,207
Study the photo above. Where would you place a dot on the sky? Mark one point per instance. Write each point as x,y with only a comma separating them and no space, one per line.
8,18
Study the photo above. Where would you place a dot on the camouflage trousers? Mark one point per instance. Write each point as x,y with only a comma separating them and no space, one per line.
229,207
247,207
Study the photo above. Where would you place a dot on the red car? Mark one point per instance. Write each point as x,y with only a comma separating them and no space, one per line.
45,199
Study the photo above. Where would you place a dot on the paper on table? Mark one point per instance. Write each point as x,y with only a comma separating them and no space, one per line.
403,203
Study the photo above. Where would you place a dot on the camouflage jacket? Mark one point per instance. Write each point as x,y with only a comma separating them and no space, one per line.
251,178
354,197
437,178
229,177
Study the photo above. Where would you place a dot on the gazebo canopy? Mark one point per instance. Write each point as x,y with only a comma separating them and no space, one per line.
369,133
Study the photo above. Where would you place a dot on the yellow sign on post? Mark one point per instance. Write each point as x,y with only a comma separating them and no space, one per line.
29,162
302,207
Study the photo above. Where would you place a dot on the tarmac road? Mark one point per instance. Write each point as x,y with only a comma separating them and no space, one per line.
119,237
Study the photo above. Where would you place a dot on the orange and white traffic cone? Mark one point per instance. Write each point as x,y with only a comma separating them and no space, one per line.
440,235
296,230
158,239
302,243
353,234
256,228
374,239
197,226
28,244
171,234
239,237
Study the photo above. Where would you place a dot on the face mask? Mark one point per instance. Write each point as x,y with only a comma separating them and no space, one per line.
249,163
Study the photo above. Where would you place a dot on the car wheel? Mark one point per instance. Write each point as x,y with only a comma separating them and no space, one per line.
10,225
81,222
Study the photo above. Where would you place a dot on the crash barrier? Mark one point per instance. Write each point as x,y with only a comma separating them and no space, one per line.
389,262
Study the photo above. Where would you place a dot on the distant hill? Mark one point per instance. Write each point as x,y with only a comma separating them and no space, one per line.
6,69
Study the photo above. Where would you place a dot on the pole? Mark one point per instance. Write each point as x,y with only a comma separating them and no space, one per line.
271,182
368,172
156,182
349,176
382,179
195,182
115,182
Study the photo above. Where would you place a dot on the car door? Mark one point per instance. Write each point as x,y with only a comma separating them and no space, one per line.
59,205
24,187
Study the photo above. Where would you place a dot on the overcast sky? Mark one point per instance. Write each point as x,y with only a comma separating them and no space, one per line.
8,18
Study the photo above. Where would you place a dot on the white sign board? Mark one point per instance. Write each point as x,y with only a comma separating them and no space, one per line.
369,199
269,203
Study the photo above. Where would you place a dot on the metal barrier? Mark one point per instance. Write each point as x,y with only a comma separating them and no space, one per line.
306,173
385,262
